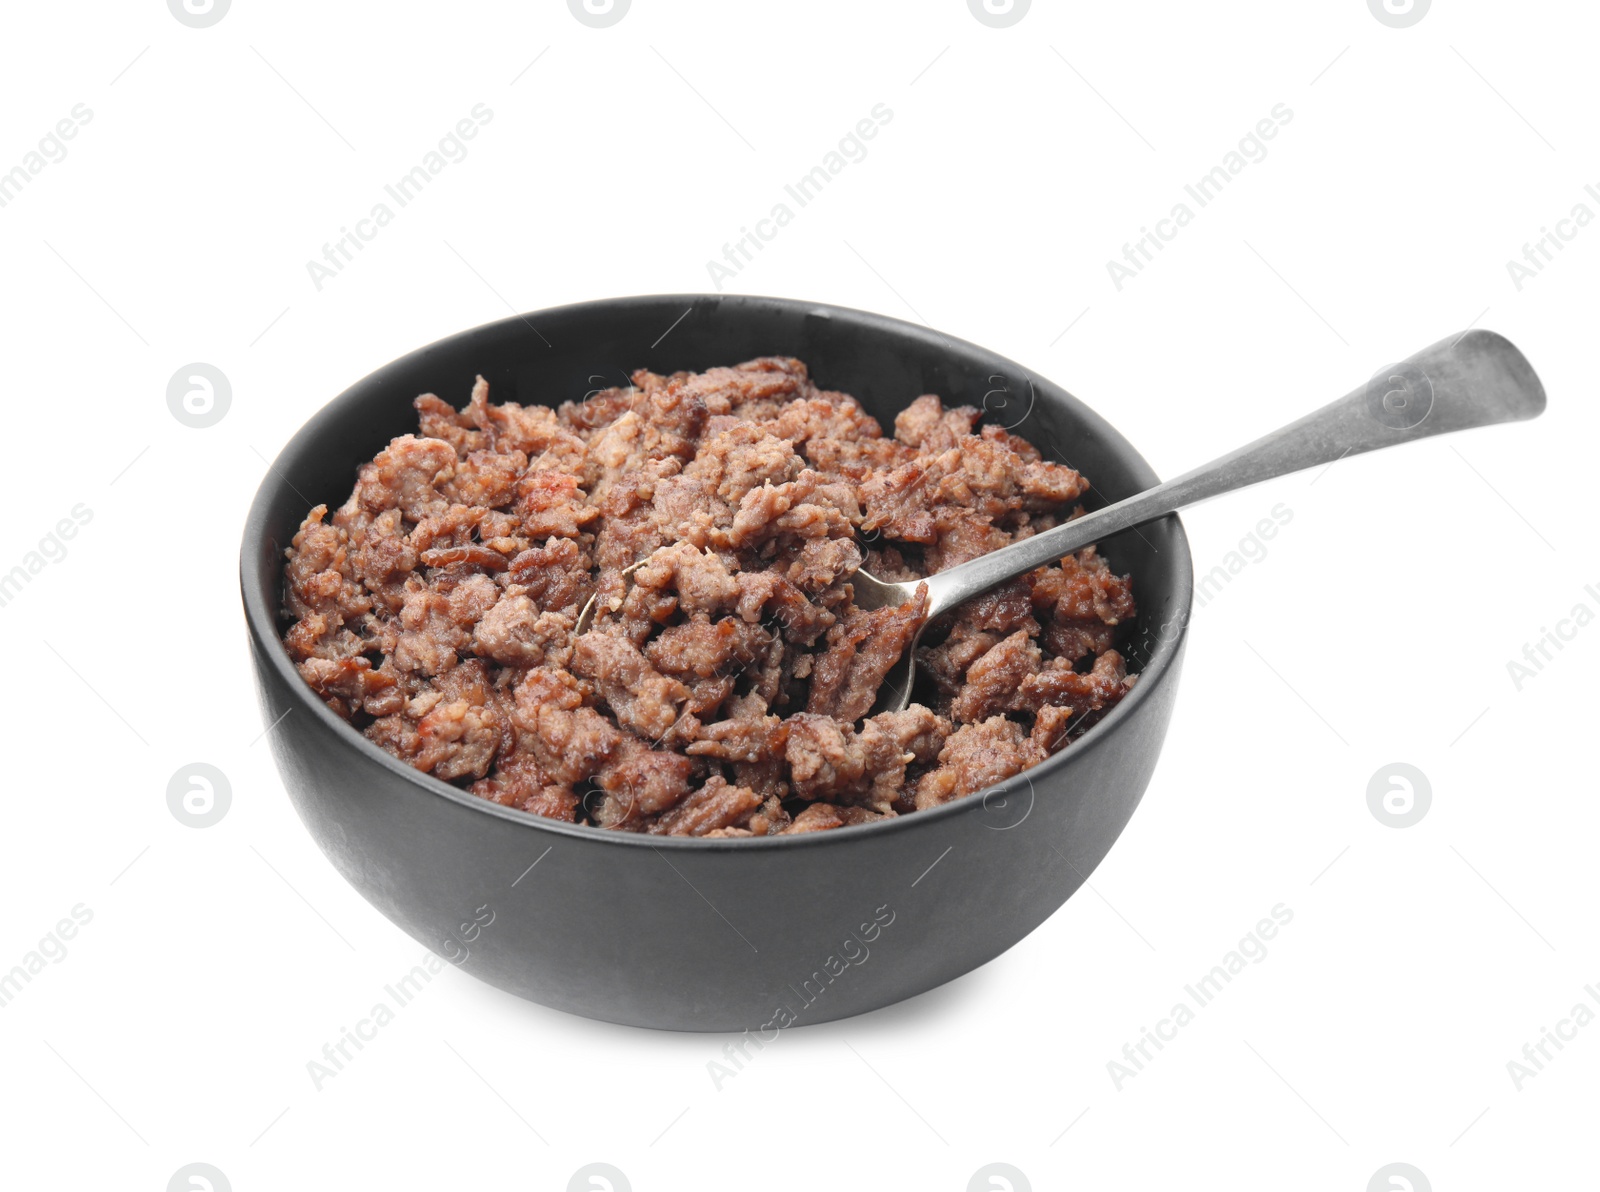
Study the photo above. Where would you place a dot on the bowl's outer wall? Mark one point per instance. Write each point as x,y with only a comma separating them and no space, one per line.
713,935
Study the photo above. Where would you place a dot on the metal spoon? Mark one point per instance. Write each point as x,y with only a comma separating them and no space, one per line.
1475,379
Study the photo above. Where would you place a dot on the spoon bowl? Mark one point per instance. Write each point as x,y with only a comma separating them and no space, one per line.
691,933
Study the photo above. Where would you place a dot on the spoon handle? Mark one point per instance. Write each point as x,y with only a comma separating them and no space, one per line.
1474,379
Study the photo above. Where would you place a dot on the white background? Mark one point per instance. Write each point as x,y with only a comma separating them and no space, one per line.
1377,629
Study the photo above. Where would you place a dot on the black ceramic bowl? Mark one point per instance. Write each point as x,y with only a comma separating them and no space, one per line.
712,935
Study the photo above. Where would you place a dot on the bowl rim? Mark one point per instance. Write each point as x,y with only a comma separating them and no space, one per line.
262,618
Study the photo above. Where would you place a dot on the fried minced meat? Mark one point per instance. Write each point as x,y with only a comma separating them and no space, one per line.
724,683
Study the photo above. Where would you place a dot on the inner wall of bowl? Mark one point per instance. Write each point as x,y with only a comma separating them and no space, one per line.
560,355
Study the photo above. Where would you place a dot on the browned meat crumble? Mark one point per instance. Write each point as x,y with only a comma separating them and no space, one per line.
723,686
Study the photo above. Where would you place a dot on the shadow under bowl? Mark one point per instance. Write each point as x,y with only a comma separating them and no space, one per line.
692,934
